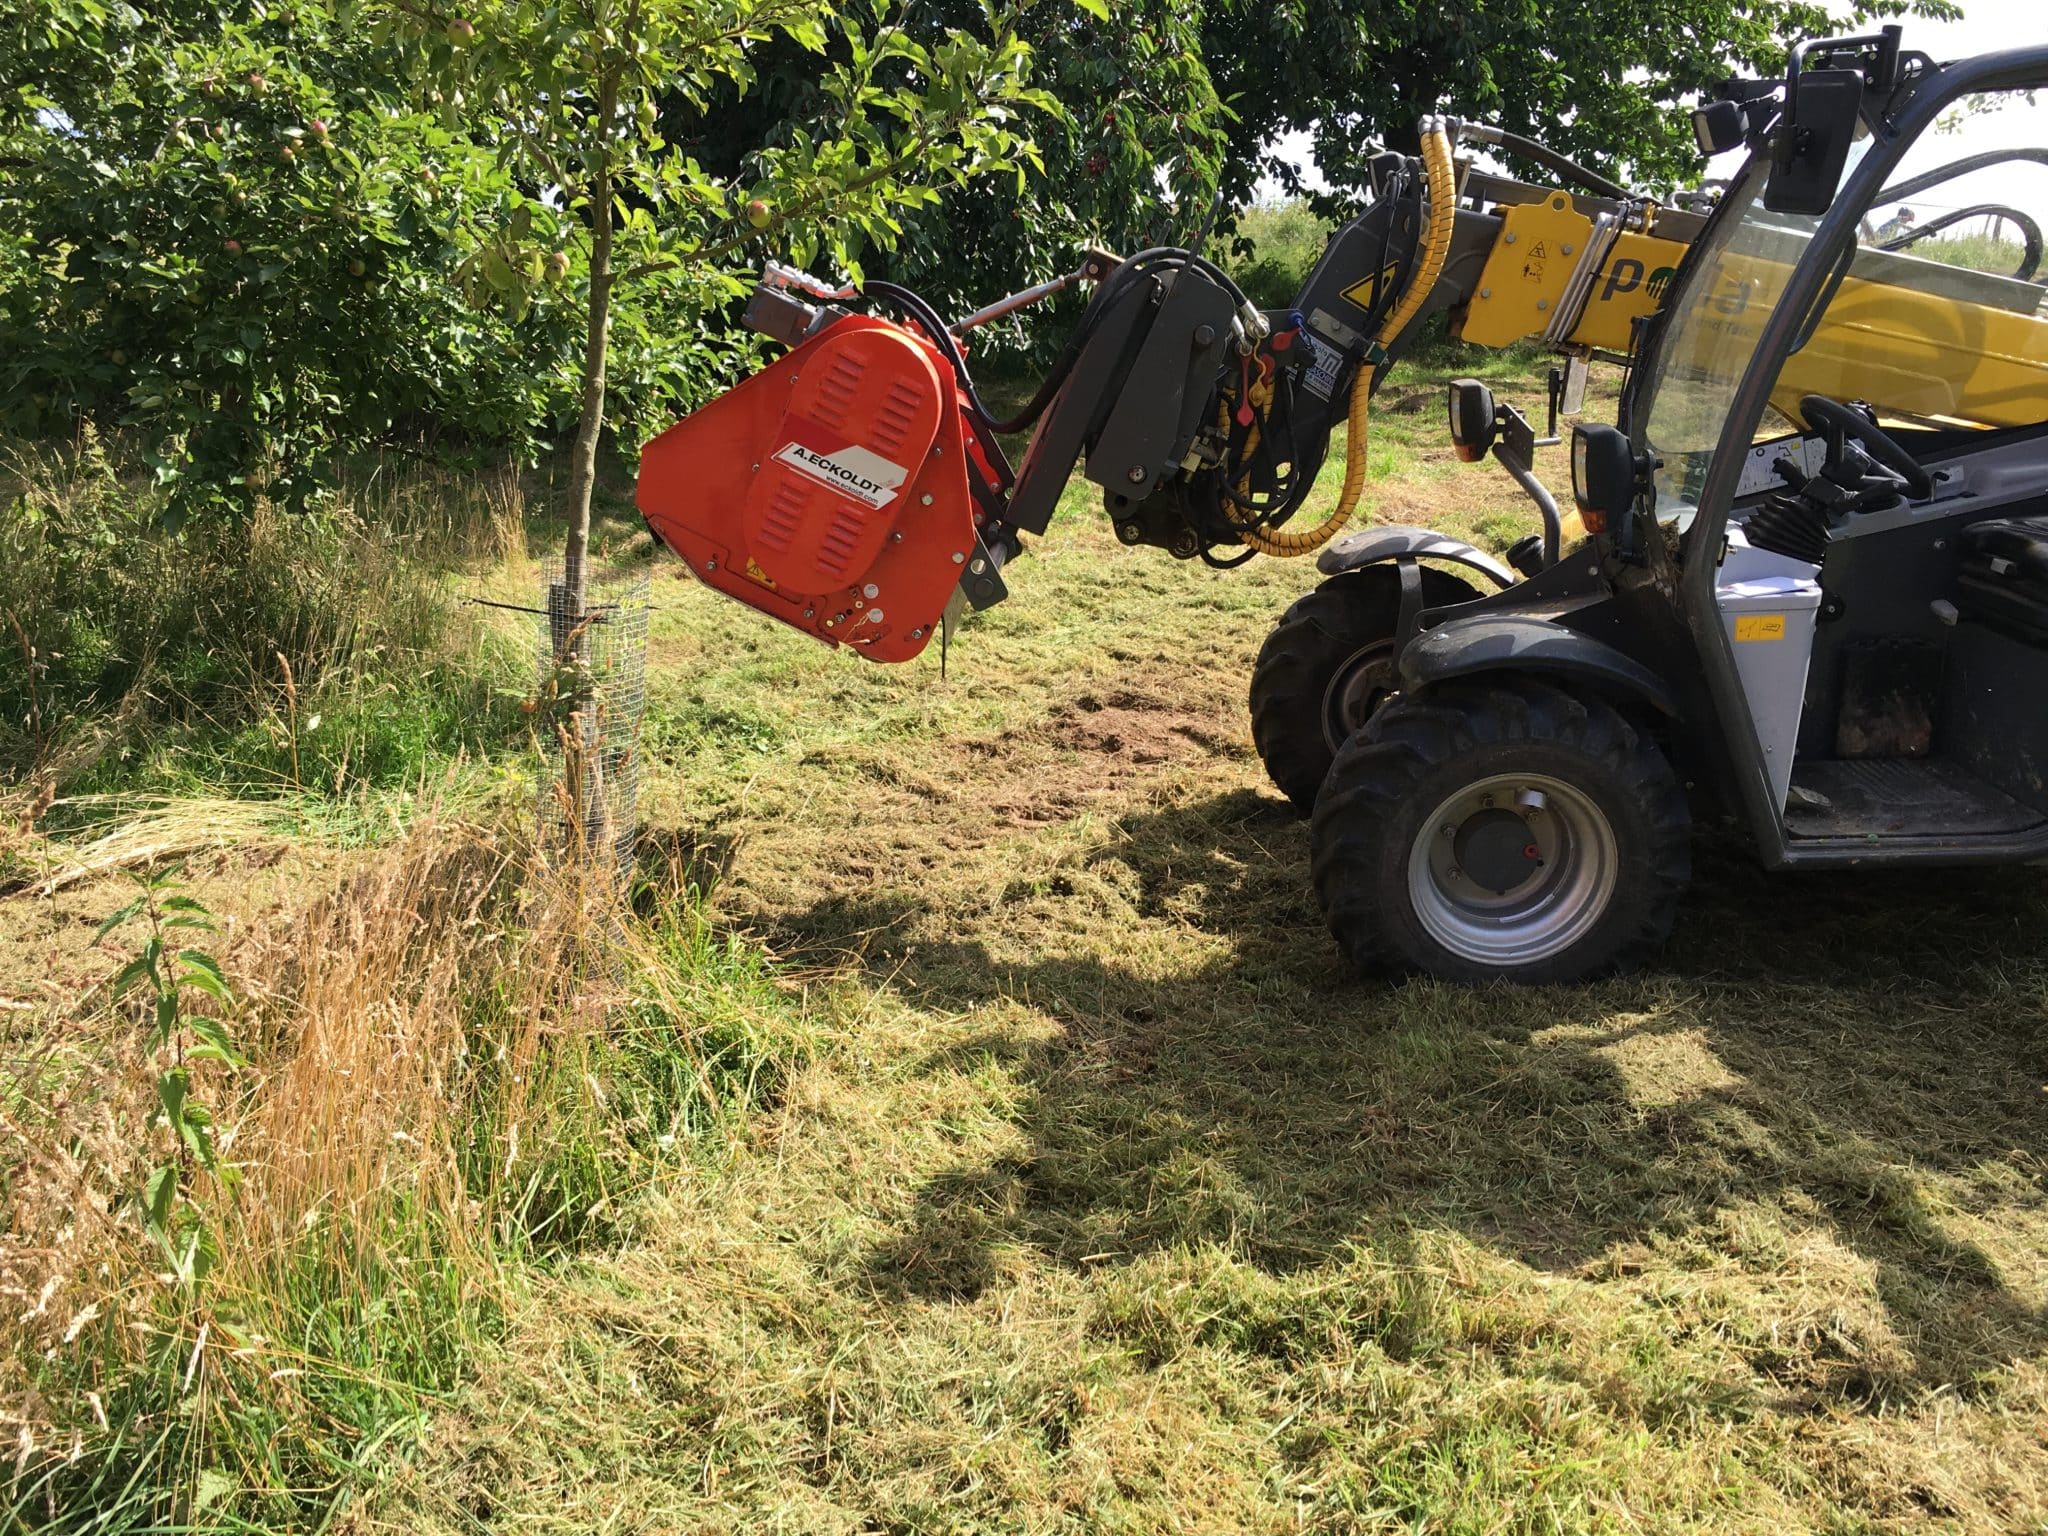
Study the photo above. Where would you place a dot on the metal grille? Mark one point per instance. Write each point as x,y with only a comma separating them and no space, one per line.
592,694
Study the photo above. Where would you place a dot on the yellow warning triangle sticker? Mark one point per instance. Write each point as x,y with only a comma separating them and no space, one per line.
1360,292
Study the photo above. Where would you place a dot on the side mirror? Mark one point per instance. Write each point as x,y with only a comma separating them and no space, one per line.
1603,475
1718,126
1473,422
1813,139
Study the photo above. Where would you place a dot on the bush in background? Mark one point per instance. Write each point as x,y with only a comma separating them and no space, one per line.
1273,249
234,233
249,235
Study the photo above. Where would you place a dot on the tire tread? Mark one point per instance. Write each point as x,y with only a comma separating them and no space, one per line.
1379,770
1321,630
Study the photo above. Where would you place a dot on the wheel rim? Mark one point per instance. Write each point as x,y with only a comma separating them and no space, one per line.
1357,689
1512,869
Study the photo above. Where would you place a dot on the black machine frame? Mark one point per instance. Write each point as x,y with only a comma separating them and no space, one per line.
1897,125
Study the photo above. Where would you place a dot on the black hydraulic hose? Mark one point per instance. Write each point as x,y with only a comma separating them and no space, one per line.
1382,301
1175,255
1127,272
984,425
1588,178
1202,234
1955,168
914,304
1063,365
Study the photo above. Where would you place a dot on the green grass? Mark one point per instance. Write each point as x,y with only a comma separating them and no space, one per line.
1109,1202
1000,1146
1980,253
256,653
463,1067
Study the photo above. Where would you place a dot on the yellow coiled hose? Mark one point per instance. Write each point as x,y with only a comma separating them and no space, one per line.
1439,218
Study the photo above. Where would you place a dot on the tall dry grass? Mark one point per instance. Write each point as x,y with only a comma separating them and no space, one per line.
463,1059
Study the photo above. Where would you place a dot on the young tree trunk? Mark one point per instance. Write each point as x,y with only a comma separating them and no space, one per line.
590,421
582,767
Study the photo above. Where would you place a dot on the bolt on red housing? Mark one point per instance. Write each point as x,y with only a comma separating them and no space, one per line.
830,490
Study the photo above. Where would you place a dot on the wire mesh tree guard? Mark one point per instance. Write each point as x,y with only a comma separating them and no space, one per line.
592,695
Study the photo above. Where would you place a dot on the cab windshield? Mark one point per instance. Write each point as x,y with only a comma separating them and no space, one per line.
1936,320
1745,257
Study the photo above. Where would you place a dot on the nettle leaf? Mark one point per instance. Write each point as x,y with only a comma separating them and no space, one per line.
133,909
129,974
199,1256
172,1090
215,1043
201,971
159,1193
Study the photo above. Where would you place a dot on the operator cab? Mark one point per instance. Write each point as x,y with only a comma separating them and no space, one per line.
1881,576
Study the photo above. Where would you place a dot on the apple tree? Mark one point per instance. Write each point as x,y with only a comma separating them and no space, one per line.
1132,161
233,229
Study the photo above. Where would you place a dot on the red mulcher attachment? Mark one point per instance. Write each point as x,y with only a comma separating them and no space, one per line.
830,490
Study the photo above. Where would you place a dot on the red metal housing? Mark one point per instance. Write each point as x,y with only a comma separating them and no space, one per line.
830,490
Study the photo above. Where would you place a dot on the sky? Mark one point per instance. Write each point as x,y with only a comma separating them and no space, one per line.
1985,25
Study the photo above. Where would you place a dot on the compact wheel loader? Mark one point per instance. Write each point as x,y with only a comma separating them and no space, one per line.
1811,597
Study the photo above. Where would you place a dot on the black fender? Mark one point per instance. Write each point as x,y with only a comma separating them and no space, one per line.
1376,546
1519,642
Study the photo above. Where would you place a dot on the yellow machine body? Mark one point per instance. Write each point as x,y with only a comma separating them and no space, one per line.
1558,275
1916,338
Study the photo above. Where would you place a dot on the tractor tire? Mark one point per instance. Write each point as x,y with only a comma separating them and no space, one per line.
1500,829
1327,666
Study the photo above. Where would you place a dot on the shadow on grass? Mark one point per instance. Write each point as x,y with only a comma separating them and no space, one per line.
1857,1056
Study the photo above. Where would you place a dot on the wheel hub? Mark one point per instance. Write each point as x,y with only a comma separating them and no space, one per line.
1497,850
1356,690
1513,869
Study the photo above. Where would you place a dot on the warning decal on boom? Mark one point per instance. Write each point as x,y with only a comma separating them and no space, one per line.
1366,289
